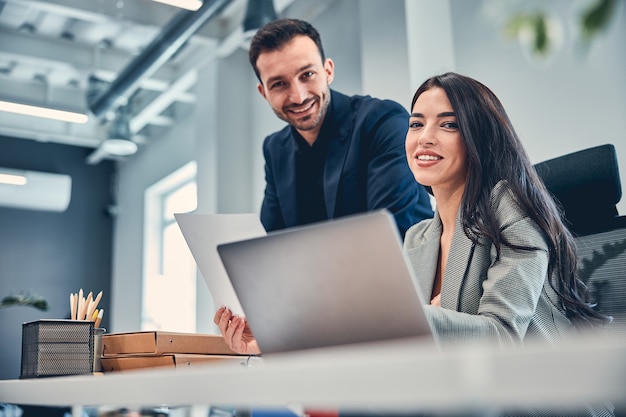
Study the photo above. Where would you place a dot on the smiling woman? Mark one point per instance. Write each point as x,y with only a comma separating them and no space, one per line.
497,259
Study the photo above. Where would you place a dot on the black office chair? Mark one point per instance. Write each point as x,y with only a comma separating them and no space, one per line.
587,186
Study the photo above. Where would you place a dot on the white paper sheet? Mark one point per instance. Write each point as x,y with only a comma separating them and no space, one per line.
203,233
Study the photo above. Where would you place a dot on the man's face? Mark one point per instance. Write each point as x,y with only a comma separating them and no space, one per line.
295,82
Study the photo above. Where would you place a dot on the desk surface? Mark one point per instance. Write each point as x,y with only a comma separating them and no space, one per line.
400,375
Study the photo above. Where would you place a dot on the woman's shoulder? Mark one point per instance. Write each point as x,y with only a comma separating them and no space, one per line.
513,219
504,203
422,230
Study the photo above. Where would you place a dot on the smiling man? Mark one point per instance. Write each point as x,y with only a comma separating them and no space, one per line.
339,155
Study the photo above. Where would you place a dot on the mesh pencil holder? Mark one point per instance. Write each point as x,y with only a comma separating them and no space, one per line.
57,347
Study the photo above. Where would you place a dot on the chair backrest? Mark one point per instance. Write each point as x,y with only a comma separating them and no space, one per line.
587,186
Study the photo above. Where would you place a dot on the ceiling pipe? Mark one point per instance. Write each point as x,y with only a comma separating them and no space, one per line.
158,52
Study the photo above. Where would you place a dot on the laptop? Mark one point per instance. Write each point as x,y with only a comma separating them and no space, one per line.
332,283
203,232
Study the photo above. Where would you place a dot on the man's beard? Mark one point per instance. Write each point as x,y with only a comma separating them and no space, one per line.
310,122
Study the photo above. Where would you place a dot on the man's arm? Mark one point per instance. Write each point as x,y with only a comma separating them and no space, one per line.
271,214
390,182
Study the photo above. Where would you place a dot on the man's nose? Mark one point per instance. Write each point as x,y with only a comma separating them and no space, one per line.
297,93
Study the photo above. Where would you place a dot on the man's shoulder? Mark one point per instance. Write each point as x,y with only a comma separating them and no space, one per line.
367,103
279,137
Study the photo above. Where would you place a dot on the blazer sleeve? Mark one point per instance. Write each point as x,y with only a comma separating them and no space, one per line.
390,183
271,213
511,287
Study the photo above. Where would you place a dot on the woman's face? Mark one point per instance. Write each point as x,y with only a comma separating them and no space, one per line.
434,147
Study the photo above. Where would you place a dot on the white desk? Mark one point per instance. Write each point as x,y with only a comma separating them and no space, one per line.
394,376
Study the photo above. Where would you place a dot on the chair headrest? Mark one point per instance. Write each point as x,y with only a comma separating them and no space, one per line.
586,183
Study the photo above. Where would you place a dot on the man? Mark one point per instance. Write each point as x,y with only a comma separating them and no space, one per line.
340,155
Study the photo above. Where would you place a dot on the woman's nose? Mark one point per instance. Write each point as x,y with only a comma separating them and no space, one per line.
426,137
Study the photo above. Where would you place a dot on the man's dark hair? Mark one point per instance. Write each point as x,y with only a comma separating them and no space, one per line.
276,34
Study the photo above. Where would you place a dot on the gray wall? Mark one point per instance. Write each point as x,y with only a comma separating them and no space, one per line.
383,48
52,254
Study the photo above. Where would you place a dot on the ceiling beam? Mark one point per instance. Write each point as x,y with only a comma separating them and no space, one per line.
146,13
163,101
45,51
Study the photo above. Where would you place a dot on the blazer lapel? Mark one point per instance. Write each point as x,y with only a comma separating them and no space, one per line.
459,261
339,127
286,180
423,256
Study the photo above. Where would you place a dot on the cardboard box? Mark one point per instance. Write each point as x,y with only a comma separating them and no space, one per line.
178,360
157,342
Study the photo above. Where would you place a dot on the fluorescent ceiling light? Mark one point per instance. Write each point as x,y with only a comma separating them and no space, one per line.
48,113
119,141
119,147
192,5
13,179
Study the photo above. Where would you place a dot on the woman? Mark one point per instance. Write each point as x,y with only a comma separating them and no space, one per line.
506,263
498,262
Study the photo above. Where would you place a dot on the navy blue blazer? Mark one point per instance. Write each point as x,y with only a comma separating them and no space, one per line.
365,169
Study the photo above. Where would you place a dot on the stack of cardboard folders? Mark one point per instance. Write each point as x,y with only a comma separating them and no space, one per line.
147,349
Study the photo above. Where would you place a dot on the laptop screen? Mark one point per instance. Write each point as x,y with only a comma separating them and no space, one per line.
332,283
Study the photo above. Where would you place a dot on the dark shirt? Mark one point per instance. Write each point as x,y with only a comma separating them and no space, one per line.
310,179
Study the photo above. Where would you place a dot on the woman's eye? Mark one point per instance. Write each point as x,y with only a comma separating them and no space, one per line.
450,125
414,125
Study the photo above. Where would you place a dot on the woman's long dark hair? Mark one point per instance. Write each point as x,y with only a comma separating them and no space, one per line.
495,153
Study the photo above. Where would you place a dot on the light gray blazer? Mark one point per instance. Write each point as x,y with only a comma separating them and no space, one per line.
505,301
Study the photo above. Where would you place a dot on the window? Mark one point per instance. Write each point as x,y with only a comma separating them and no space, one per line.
169,283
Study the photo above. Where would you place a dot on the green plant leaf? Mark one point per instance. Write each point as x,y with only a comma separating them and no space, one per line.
25,300
596,18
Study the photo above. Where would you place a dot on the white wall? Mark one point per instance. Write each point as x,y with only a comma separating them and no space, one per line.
576,102
159,158
572,104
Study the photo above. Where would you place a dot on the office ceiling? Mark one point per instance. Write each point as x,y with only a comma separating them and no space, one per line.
49,51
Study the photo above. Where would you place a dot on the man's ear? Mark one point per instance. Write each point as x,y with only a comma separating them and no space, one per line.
261,90
329,68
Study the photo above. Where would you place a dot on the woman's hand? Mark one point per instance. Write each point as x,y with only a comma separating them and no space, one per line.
236,332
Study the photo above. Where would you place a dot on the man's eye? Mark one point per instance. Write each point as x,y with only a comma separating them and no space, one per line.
277,84
308,74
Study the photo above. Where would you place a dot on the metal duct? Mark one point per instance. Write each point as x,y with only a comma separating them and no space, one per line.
158,52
